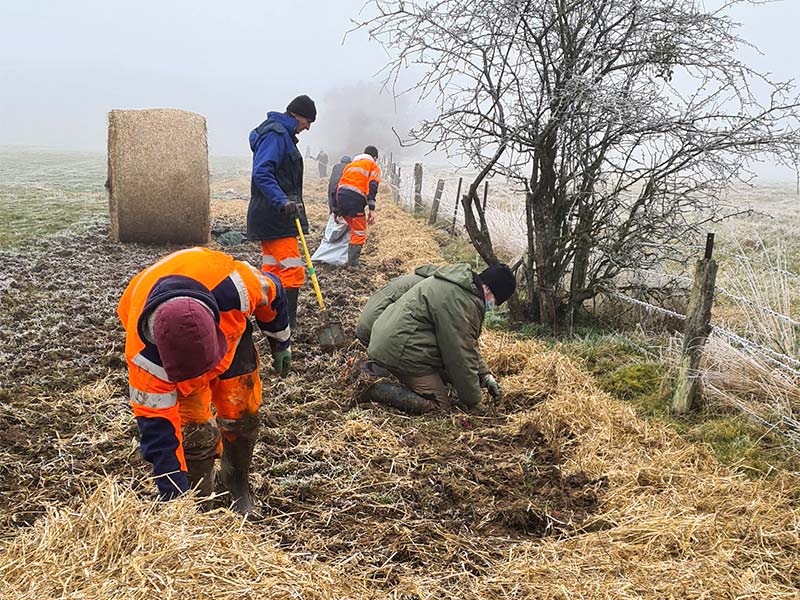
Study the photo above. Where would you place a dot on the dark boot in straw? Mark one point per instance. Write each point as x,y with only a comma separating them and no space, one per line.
201,478
399,397
237,454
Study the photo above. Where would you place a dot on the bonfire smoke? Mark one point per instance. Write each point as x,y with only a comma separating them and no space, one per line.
355,116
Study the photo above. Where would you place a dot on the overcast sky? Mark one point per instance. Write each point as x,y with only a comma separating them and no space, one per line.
65,63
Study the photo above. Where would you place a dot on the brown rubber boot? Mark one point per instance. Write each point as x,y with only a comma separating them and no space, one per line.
399,397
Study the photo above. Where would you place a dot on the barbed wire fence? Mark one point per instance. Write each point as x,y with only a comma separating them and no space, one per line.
783,424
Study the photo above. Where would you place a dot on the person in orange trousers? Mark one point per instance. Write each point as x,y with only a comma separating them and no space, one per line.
356,191
189,346
276,195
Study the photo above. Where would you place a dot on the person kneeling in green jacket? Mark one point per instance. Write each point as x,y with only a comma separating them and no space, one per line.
427,336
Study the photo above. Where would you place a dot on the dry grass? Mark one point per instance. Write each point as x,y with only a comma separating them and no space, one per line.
559,491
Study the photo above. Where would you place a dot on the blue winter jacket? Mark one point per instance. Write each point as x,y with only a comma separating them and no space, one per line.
277,178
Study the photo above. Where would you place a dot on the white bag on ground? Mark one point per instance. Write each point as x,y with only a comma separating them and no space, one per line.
333,248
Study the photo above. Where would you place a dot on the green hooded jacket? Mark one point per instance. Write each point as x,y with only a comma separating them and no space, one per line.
387,295
435,326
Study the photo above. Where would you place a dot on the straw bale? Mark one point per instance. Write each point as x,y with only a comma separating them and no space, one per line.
158,176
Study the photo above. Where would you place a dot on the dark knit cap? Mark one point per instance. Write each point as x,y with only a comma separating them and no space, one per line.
303,106
188,339
500,280
372,151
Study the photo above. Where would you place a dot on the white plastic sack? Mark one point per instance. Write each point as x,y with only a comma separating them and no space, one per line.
333,248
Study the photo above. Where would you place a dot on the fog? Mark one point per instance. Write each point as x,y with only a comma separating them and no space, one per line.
64,65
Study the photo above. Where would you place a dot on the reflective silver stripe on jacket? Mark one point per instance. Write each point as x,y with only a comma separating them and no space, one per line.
152,400
151,367
263,280
241,288
361,170
352,188
359,232
281,335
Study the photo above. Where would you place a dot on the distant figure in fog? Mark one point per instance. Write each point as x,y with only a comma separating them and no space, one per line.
322,163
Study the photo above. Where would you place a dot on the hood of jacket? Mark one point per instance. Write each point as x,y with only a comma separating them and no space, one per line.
287,122
460,274
426,270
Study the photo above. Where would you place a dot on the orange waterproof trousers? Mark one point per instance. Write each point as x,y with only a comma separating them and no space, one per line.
282,258
358,229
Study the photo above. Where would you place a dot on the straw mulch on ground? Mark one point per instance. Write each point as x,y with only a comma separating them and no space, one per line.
557,491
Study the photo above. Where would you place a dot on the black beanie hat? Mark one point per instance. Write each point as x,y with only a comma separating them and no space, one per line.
303,106
500,280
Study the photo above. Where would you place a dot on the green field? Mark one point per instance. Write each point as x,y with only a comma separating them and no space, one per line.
45,191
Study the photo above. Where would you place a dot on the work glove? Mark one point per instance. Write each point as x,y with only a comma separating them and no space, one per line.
282,361
491,385
289,208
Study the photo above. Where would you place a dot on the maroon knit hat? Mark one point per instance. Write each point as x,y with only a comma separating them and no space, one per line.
188,339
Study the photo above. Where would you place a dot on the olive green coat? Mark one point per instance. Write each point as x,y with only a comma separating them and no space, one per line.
435,326
387,295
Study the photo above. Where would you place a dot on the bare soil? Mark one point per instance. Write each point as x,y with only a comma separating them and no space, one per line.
338,480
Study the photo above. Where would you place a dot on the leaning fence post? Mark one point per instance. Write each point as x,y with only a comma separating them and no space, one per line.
698,318
417,187
455,208
437,196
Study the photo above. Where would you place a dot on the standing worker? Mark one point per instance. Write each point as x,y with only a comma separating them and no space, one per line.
189,345
332,249
276,195
428,337
356,191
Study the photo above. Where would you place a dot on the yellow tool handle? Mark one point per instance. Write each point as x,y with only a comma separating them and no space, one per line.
311,270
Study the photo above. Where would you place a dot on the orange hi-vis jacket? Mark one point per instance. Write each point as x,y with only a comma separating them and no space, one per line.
358,185
233,290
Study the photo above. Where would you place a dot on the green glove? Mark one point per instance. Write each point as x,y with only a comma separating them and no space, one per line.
282,362
493,387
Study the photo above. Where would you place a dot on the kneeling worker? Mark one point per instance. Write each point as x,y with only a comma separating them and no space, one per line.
189,345
429,336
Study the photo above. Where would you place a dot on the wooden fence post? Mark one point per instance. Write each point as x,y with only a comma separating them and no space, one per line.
417,187
455,208
437,197
696,331
397,185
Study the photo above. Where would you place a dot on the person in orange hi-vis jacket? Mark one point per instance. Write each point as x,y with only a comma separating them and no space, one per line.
356,191
189,345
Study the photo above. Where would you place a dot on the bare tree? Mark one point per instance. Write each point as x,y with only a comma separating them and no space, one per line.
622,120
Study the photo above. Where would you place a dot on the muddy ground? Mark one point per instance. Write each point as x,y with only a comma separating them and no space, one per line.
338,480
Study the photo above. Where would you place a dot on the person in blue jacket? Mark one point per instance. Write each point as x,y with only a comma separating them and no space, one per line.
276,195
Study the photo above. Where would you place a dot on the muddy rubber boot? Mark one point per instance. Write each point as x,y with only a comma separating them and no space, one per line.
399,397
291,302
353,254
201,478
237,455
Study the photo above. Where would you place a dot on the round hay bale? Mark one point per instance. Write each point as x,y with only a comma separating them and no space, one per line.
158,176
